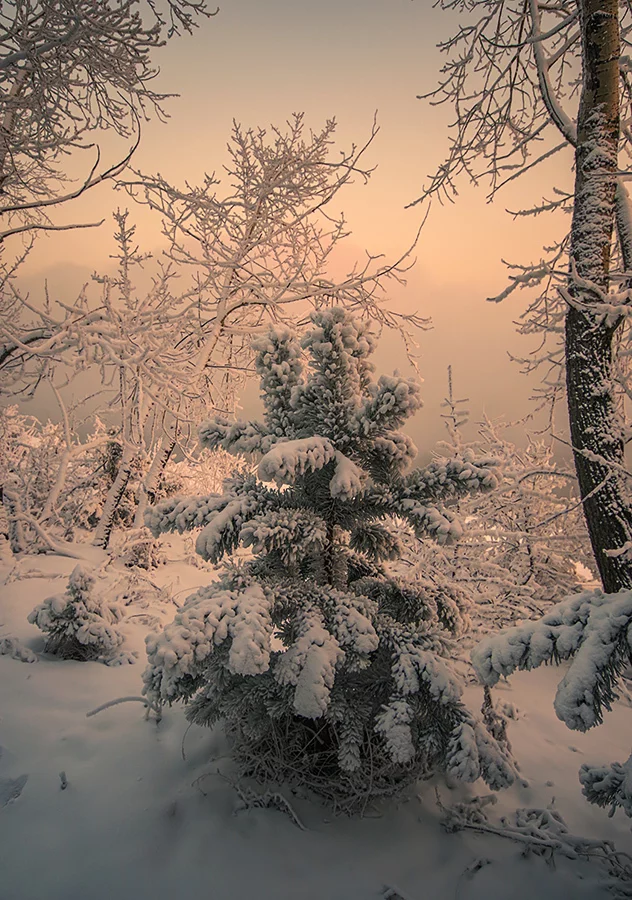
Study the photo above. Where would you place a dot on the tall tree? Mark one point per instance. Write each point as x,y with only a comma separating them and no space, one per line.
514,75
596,434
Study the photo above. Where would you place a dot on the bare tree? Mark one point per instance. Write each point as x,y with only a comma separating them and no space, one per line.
527,79
262,250
47,473
68,70
130,339
259,251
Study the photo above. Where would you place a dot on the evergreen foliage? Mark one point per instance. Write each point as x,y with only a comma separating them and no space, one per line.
79,624
594,631
327,670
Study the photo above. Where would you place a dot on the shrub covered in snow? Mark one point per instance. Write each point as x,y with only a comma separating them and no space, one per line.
79,624
327,670
202,473
140,549
38,463
11,646
594,631
525,537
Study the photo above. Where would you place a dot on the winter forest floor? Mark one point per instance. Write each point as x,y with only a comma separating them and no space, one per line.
149,809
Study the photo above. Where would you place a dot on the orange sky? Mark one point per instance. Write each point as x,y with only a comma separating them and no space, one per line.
258,62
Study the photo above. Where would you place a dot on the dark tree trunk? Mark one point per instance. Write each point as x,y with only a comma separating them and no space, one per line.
149,485
115,494
595,422
12,507
336,569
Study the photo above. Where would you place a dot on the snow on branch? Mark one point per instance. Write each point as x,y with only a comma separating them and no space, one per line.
182,514
310,665
288,460
222,533
178,655
395,400
453,477
609,785
235,437
288,532
593,629
348,479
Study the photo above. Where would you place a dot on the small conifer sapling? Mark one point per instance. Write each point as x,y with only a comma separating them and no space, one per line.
79,624
327,671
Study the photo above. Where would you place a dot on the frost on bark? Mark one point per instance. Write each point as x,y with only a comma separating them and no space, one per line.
106,522
12,508
595,423
149,484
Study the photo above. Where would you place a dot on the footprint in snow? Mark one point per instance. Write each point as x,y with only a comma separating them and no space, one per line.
11,788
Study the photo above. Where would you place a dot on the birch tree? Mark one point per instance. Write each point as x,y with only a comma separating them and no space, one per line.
528,79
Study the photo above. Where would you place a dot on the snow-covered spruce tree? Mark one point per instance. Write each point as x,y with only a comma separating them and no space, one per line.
326,671
79,624
594,630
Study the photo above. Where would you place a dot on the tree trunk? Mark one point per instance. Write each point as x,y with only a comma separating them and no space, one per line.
117,489
595,423
12,508
149,484
336,569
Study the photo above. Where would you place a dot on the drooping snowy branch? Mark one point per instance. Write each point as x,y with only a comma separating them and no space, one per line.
593,629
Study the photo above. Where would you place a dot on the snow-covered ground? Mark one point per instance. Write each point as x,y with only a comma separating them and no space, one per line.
149,809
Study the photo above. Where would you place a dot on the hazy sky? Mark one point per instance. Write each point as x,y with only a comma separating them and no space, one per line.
257,62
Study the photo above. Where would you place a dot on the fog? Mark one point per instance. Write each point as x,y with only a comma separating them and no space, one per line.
258,63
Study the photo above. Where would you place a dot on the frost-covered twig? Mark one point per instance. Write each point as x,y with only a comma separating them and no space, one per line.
270,799
150,706
544,832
